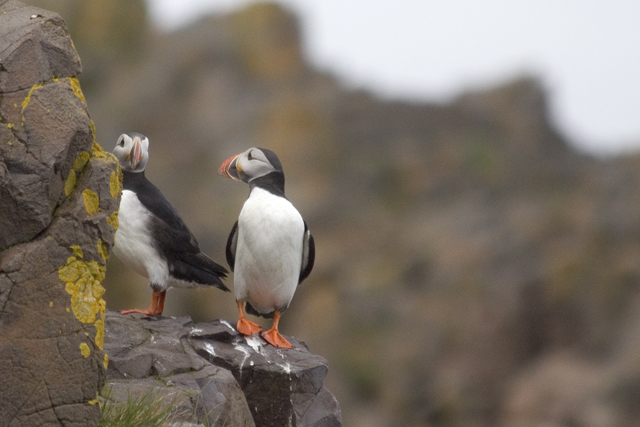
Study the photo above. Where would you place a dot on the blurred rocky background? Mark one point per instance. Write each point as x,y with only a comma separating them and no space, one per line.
473,269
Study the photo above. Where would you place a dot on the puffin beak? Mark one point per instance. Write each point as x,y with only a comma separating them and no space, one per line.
230,168
135,155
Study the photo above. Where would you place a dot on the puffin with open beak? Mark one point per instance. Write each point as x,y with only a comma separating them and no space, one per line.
152,239
270,248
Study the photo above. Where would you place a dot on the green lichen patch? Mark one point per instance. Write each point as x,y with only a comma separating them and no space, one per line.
91,201
106,361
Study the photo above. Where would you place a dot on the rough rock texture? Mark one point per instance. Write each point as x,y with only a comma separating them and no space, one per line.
216,376
58,195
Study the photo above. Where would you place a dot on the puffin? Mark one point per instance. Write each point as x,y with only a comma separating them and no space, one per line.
152,239
270,248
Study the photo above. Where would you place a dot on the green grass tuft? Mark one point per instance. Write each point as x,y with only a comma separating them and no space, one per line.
150,409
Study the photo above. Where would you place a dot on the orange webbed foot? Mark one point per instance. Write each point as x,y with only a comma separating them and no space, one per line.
136,310
275,338
247,327
157,305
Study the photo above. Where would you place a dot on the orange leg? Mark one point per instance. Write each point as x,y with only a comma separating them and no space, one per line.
273,337
160,306
245,326
156,307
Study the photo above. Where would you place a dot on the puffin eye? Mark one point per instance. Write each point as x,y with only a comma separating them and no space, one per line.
249,156
121,142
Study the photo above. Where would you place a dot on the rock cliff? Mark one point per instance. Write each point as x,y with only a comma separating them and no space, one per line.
216,376
59,194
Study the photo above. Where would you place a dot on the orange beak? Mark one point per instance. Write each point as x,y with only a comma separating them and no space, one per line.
229,168
136,153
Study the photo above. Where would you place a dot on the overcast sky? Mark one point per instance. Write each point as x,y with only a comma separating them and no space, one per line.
587,52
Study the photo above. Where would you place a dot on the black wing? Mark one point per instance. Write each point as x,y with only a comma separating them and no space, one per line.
232,242
308,254
173,238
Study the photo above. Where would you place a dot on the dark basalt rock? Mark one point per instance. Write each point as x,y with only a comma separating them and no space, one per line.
223,376
58,196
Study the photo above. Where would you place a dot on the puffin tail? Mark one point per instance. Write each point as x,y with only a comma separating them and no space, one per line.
201,269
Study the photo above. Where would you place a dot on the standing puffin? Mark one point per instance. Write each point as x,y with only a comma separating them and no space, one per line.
152,238
270,249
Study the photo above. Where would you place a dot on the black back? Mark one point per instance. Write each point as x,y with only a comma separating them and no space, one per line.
171,236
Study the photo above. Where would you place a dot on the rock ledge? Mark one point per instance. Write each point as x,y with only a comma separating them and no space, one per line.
219,376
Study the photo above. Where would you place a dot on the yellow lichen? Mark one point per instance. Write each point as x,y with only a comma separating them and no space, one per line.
26,101
81,161
91,201
112,220
99,333
77,251
50,303
93,401
106,360
79,164
84,349
96,148
84,283
102,250
93,129
115,185
10,125
75,87
98,153
70,183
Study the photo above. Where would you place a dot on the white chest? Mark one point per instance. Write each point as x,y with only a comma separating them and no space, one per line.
269,251
133,241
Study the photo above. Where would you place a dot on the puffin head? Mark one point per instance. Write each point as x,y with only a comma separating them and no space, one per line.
253,163
132,151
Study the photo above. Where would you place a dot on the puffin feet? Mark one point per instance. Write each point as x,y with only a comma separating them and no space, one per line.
247,327
147,312
156,307
272,336
275,338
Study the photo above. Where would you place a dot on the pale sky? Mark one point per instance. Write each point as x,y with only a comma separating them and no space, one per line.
587,52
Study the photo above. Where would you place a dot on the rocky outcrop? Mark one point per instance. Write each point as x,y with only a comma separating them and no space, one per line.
216,376
59,193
